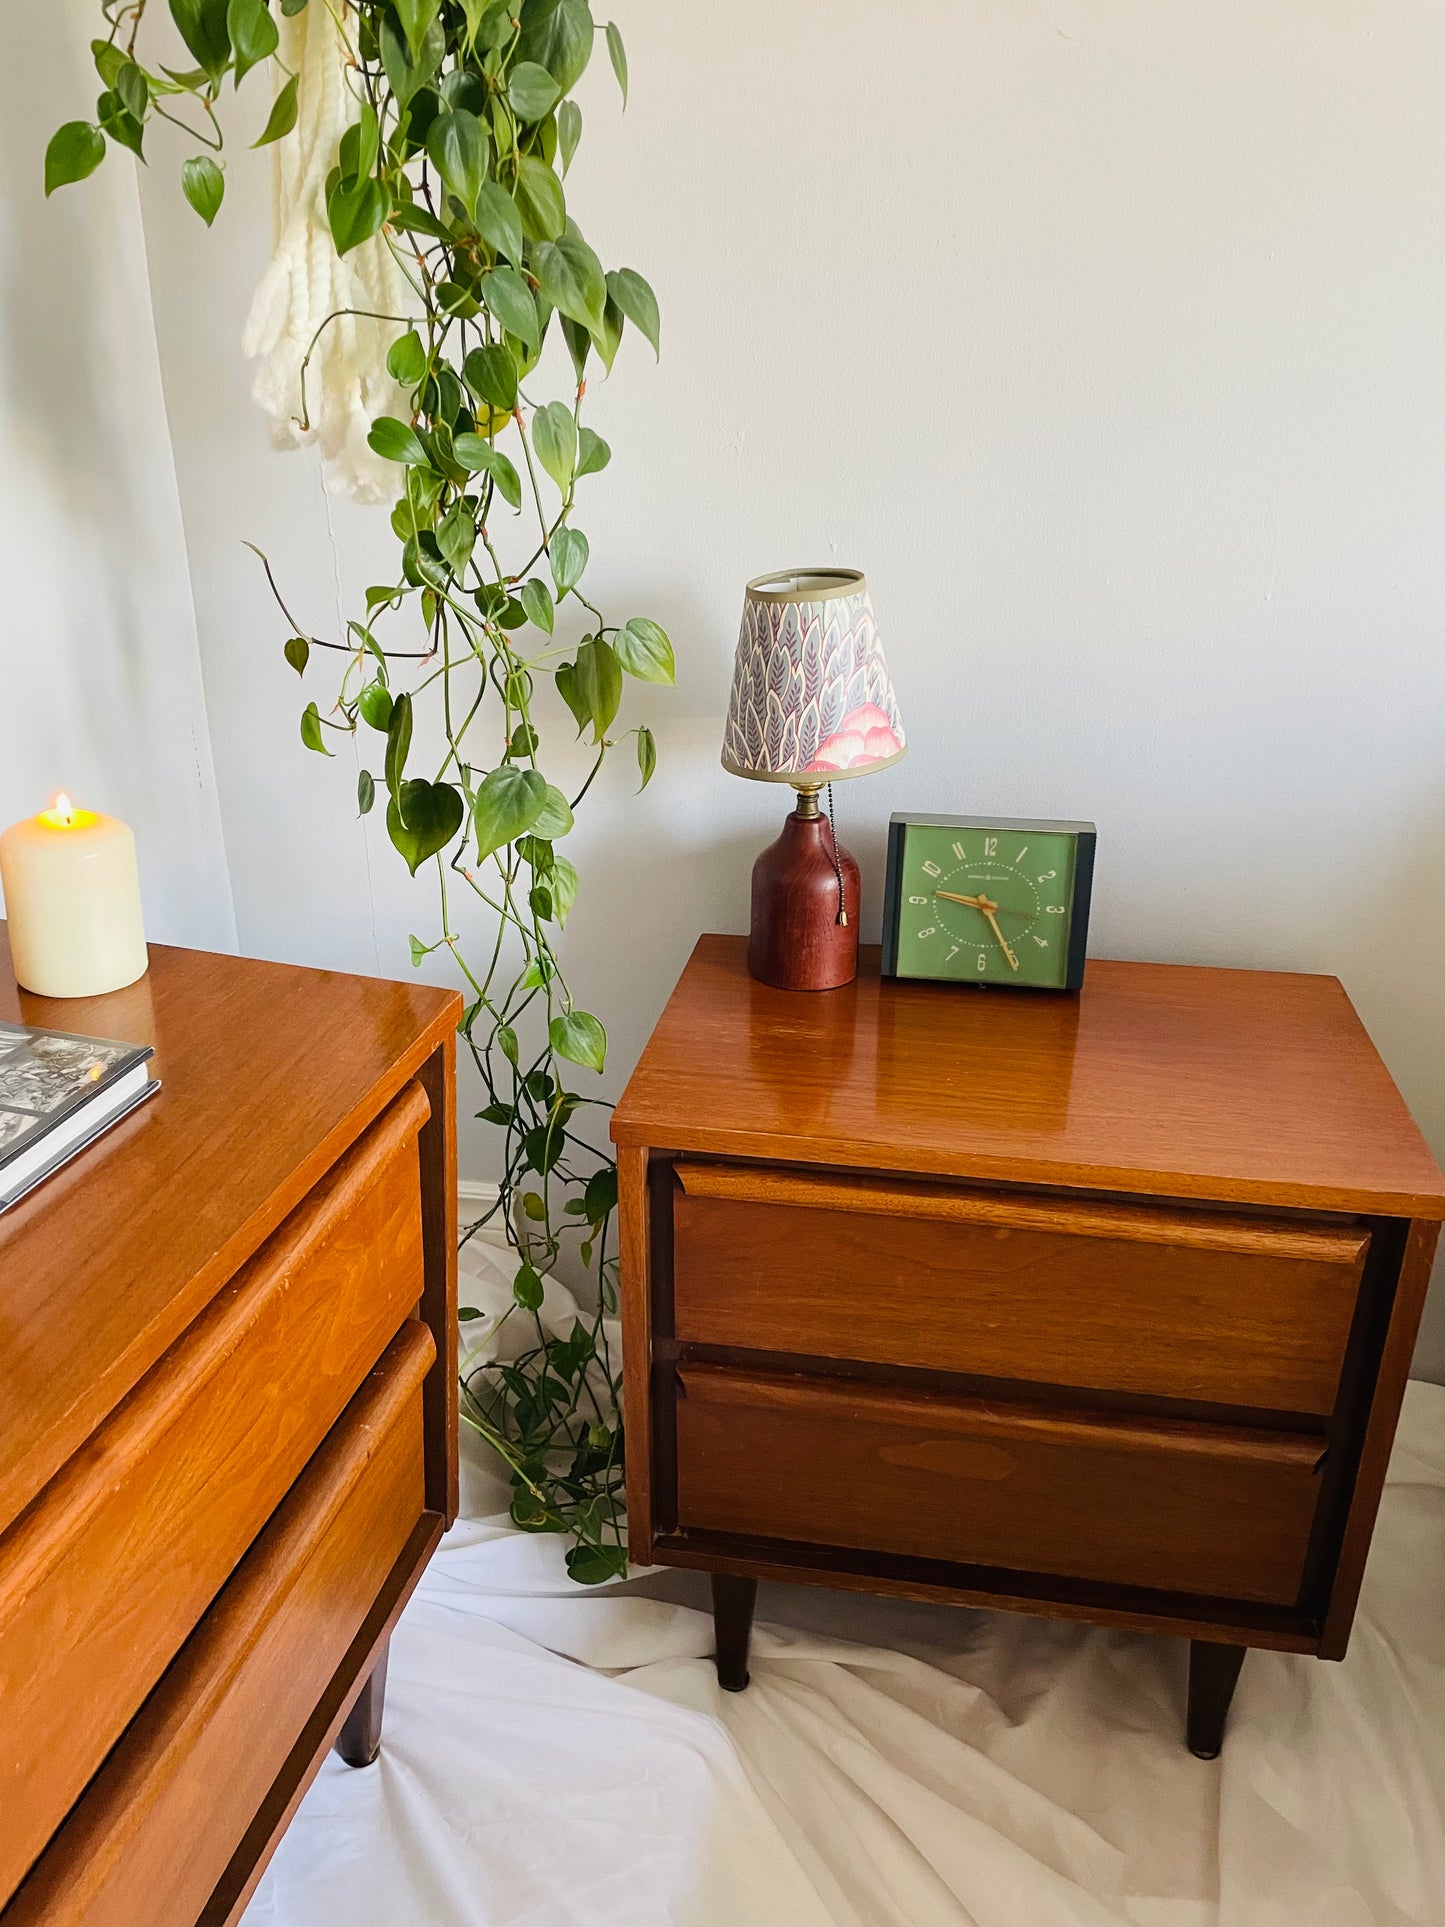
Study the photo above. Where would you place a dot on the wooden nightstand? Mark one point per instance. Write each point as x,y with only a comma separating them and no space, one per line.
227,1429
1096,1306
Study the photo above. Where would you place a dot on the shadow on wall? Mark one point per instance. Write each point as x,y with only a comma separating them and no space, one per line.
66,359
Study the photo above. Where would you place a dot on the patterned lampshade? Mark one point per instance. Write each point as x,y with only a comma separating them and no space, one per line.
812,699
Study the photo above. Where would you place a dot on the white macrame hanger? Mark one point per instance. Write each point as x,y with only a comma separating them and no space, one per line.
347,384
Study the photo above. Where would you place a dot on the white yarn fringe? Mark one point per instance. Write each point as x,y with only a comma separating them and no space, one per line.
347,385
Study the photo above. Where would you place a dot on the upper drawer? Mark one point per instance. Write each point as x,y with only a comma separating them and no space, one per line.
1188,1304
105,1574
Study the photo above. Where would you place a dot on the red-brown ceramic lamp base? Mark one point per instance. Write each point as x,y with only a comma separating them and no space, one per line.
797,940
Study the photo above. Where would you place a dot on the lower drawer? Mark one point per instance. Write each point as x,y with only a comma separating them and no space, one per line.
157,1827
1176,1507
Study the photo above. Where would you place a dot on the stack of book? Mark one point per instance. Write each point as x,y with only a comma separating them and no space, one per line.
58,1093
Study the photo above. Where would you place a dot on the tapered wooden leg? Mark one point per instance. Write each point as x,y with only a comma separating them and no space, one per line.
1213,1673
732,1618
359,1740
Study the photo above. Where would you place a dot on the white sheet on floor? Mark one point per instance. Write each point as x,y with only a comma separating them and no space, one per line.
561,1758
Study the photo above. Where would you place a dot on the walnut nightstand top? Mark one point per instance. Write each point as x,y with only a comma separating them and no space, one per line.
1242,1086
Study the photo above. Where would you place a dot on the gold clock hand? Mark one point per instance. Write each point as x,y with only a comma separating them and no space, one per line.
1002,939
977,903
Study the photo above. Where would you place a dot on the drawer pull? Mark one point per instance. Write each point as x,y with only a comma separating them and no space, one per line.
1069,1217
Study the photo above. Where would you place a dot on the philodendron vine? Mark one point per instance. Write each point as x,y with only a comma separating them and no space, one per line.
463,134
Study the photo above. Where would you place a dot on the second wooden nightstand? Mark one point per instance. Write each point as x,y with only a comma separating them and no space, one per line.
1096,1306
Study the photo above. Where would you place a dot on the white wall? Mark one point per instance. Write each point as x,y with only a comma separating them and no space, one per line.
1108,336
100,681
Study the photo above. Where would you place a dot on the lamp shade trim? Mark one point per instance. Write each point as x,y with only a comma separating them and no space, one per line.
811,692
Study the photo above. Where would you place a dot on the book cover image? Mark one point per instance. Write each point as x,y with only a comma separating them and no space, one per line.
57,1093
41,1071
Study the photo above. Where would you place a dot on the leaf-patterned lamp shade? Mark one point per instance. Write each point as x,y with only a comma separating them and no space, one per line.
812,699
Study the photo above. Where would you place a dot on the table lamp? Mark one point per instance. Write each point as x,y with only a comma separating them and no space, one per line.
812,702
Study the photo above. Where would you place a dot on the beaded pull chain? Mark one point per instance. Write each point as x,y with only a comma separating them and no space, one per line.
842,916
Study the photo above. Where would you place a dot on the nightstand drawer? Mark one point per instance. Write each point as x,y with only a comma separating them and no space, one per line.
105,1575
1221,1512
1176,1302
154,1831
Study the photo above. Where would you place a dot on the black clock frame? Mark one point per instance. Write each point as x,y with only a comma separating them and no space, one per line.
1085,839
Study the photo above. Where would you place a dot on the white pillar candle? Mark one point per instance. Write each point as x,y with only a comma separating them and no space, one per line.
72,901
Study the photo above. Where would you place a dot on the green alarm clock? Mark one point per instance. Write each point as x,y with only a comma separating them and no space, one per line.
993,900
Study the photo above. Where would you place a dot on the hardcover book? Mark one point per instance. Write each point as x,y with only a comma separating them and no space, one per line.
58,1092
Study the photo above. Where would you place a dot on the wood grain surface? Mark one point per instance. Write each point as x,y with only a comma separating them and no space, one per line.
268,1074
108,1571
1161,1080
156,1829
1174,1304
1177,1507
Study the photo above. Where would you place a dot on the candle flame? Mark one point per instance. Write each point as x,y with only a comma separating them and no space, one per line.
63,808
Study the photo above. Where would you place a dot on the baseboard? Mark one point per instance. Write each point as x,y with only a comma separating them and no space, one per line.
474,1196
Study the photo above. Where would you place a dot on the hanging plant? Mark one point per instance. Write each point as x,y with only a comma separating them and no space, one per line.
460,130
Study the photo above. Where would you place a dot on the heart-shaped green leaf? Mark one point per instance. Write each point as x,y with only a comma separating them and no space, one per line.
298,652
395,442
564,887
637,301
253,34
311,730
554,436
508,803
571,278
593,454
456,537
567,553
491,374
422,818
355,213
282,117
75,150
617,54
646,756
558,35
499,223
406,359
540,199
375,705
203,184
457,143
536,598
365,792
599,684
510,303
645,652
398,742
555,818
580,1038
569,131
532,91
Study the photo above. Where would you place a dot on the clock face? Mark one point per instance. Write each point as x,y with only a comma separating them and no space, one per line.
985,903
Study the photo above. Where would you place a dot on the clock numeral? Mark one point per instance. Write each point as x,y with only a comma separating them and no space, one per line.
1053,909
953,953
1042,942
1022,854
958,851
982,962
1047,877
918,899
932,870
990,846
931,931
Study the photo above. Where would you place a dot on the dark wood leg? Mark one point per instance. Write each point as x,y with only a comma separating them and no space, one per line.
732,1618
1213,1672
359,1740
